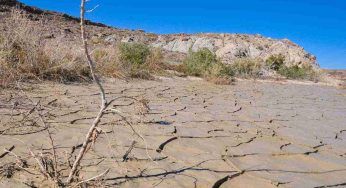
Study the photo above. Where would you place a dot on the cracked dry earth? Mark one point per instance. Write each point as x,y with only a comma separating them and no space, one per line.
192,133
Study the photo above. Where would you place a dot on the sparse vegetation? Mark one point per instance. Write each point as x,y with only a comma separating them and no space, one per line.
295,72
155,61
199,63
140,61
23,56
129,60
276,63
108,64
204,63
134,53
245,67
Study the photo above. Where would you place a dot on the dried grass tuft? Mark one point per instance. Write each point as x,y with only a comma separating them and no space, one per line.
25,56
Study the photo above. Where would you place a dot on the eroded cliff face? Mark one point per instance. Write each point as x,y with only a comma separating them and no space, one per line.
229,47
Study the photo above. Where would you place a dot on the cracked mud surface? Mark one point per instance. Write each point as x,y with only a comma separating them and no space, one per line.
196,134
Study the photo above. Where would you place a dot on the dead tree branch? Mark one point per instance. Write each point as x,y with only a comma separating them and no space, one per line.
93,178
55,158
102,94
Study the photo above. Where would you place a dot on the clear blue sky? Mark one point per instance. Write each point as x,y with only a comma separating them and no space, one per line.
317,25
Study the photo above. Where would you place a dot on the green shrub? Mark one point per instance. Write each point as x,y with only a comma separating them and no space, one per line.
205,63
137,60
134,53
199,63
296,72
293,72
275,62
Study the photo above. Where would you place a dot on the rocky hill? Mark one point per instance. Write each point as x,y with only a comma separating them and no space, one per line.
232,46
227,46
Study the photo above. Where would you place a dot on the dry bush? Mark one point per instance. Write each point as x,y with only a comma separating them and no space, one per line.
68,60
247,68
108,63
129,60
181,68
21,54
24,55
155,62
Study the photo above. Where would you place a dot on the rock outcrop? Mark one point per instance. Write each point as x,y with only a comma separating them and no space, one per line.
229,47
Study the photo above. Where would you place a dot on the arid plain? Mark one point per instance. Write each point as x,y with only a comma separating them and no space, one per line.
184,132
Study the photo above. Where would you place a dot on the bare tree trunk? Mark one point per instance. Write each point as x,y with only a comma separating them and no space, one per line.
102,93
86,50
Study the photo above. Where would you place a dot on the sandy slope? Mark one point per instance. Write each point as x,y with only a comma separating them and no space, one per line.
284,135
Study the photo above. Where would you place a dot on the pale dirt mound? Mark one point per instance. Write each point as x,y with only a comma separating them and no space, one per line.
196,134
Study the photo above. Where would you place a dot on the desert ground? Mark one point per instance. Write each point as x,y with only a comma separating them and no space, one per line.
180,132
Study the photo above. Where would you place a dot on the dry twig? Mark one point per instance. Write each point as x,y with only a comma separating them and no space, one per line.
102,94
7,152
